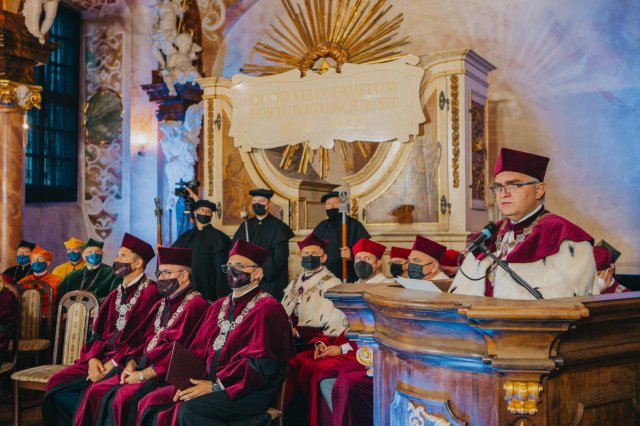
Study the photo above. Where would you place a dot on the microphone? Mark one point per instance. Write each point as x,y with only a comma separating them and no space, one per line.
484,235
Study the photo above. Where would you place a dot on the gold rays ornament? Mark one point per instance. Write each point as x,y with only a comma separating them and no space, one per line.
354,31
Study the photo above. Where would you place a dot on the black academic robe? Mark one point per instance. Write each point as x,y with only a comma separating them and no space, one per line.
332,232
210,250
99,281
16,273
274,235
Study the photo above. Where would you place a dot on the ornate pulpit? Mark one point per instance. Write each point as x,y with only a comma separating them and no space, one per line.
443,359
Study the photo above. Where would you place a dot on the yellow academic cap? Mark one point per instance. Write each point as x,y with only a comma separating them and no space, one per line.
73,242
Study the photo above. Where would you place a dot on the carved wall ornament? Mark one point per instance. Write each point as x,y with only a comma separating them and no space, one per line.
354,207
419,417
522,397
213,17
364,356
210,145
294,215
103,144
455,128
346,31
19,96
478,155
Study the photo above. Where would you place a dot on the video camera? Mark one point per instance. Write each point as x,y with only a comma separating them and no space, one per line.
181,191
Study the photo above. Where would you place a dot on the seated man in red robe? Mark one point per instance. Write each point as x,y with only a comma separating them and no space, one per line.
605,265
172,319
424,260
398,261
367,261
551,254
40,270
9,316
319,324
246,341
118,333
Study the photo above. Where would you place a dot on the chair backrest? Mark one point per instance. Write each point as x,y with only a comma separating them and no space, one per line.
32,292
79,306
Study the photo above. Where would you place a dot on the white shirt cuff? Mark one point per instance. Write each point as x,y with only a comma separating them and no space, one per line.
220,384
115,364
345,348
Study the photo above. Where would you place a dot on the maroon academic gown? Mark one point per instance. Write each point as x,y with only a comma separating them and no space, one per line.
109,393
305,372
262,342
106,344
9,316
351,396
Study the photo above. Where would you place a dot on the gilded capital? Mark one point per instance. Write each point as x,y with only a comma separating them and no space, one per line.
19,96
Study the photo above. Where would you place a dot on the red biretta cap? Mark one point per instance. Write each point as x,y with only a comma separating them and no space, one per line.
400,252
603,258
251,251
174,256
313,240
369,246
139,247
450,258
511,160
428,247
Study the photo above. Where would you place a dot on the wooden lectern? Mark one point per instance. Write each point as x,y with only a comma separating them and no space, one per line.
444,359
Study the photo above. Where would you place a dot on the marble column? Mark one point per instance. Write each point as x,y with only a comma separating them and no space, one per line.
12,140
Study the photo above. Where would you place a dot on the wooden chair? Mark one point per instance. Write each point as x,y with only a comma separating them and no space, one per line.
34,337
74,316
277,412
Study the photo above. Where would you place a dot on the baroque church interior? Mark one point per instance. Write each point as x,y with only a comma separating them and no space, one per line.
319,212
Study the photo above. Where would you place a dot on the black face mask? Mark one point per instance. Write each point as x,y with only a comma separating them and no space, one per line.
415,271
203,218
237,279
333,214
364,270
121,269
396,269
167,287
259,209
311,263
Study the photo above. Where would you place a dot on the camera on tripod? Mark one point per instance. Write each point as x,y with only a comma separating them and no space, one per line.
181,191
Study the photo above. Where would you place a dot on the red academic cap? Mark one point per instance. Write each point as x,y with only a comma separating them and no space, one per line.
511,160
428,247
400,252
139,247
450,258
365,244
174,256
47,254
603,258
251,251
313,240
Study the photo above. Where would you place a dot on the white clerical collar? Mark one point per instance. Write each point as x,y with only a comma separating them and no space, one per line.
93,267
135,280
536,210
250,287
308,274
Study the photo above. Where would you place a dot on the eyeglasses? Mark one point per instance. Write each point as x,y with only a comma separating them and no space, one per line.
510,187
237,267
165,274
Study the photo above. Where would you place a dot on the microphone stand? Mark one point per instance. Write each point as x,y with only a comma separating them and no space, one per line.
517,278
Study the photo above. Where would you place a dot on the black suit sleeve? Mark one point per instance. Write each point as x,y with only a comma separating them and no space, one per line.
277,261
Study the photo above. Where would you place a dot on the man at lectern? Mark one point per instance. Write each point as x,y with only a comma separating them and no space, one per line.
550,253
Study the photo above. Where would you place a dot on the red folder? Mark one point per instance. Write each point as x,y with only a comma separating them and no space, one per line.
183,366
